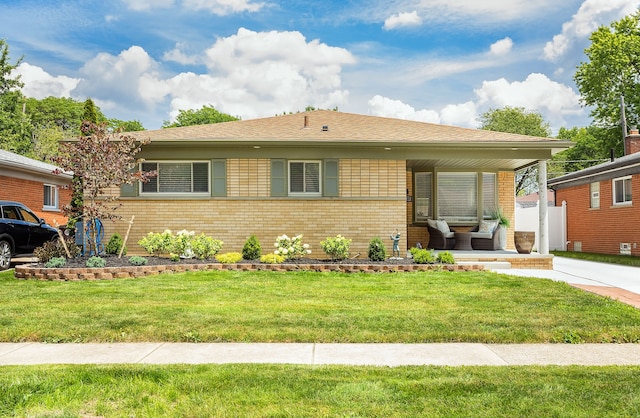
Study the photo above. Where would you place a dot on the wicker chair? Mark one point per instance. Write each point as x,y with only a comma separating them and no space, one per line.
438,241
487,244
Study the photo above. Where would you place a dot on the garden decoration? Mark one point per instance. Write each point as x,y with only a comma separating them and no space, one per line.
395,236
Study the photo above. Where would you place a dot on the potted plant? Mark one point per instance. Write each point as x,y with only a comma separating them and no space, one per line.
503,224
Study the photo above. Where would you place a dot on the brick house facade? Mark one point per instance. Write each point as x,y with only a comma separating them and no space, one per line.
320,173
33,184
602,204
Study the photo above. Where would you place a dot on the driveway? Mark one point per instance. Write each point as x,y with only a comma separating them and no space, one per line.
618,282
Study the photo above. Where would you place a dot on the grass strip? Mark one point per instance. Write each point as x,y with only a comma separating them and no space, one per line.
293,391
230,306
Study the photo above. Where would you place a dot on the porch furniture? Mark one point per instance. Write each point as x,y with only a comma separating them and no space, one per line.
485,236
440,236
463,241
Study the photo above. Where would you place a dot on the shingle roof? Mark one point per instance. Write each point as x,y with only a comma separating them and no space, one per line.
628,163
10,159
340,127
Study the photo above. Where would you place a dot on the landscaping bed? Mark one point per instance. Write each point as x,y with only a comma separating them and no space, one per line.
76,269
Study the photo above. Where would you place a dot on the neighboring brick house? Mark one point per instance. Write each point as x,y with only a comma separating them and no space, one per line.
602,204
323,173
33,184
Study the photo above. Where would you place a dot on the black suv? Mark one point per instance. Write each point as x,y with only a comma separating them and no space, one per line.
21,231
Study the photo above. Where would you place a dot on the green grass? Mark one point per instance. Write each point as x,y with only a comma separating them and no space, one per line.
625,260
327,391
312,307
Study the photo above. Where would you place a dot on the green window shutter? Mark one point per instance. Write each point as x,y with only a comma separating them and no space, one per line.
278,178
219,179
330,188
129,190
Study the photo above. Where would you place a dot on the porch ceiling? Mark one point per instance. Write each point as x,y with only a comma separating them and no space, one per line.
470,164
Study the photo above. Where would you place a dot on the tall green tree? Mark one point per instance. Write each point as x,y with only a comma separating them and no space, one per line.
203,116
125,125
515,120
15,127
518,120
593,145
612,71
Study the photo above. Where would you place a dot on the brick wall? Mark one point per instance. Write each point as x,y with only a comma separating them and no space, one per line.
371,204
31,194
601,230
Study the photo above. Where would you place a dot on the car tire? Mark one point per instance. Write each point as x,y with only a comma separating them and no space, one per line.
5,255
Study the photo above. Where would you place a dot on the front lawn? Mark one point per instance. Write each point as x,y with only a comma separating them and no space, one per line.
312,391
312,307
624,260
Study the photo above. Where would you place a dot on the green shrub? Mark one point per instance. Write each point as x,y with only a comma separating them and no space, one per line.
56,262
114,245
136,260
96,262
229,258
157,243
174,257
376,251
422,256
291,247
272,259
51,249
204,247
446,257
251,249
337,248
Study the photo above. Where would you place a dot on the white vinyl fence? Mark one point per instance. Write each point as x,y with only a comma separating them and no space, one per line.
527,219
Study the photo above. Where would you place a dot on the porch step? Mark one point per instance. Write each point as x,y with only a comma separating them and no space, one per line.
489,265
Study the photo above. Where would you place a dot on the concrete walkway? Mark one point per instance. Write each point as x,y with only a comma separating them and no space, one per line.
455,354
615,281
618,282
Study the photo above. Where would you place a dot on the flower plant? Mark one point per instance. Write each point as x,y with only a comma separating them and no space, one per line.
291,247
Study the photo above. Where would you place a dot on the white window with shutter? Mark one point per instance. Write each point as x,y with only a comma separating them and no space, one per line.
304,178
422,193
177,177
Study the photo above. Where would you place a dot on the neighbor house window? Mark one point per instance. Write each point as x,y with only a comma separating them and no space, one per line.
50,197
458,197
304,178
177,177
622,190
594,190
422,193
488,195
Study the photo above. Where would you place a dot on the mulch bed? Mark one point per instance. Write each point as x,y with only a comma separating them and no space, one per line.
114,261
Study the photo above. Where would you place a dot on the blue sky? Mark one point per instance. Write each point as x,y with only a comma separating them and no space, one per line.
441,61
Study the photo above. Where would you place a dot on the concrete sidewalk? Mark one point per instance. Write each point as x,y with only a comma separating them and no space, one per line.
454,354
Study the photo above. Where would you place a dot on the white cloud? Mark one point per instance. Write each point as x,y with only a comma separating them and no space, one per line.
223,7
177,55
537,91
139,5
402,20
40,84
218,7
390,108
465,114
501,47
118,77
590,15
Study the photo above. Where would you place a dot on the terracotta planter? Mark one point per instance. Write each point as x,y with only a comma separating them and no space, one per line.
524,241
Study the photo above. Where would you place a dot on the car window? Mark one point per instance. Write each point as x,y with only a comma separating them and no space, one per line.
10,212
28,216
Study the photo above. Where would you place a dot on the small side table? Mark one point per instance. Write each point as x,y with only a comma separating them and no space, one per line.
463,241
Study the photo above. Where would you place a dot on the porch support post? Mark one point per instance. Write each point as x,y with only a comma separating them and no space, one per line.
543,240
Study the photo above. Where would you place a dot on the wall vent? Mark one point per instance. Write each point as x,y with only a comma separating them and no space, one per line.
625,248
577,246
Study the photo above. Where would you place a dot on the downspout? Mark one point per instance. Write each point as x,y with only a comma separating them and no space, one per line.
543,233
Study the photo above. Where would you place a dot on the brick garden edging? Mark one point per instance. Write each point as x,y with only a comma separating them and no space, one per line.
106,273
